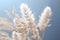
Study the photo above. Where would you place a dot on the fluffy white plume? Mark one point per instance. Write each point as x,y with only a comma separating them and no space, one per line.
27,14
44,18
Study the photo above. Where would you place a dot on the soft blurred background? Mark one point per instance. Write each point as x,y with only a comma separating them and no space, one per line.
37,6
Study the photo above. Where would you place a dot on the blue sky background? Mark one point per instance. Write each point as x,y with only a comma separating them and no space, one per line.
37,6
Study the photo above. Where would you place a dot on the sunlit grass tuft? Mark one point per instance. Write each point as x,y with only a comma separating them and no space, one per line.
21,27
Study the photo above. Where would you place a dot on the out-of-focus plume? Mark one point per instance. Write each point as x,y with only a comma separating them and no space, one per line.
14,11
8,14
4,36
27,14
44,18
6,24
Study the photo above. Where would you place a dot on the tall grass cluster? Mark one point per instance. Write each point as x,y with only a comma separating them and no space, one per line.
25,27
